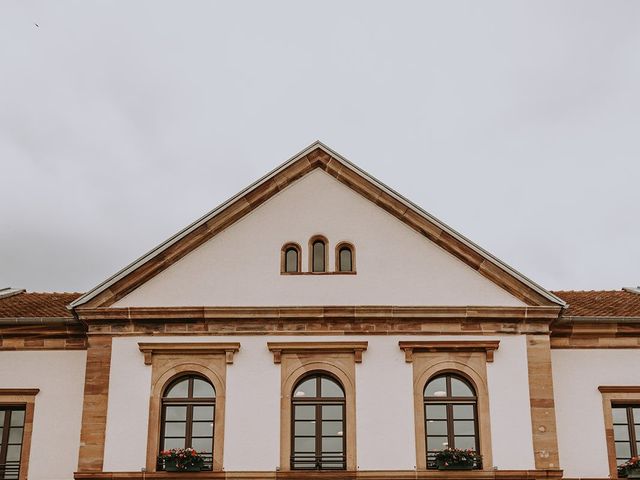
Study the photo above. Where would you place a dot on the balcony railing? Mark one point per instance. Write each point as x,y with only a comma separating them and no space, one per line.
9,471
311,461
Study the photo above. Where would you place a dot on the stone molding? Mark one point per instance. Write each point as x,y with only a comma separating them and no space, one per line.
26,397
318,348
486,346
188,348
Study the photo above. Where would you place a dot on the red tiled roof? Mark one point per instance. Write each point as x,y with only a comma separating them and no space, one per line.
591,303
601,303
37,305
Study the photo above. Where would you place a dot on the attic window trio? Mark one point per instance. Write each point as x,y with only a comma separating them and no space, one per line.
291,257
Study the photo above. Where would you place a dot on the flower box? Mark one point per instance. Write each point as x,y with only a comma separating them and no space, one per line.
181,460
456,459
171,466
456,466
630,469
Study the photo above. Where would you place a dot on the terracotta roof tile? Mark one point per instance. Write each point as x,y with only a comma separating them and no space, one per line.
591,303
37,305
601,303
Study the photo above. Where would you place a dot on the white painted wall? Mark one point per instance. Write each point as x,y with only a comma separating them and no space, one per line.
395,265
58,409
577,374
384,396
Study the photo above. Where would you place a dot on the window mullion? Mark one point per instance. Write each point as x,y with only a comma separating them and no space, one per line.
188,440
318,433
632,431
450,440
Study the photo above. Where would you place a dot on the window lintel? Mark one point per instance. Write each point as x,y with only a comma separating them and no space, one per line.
280,348
486,346
188,348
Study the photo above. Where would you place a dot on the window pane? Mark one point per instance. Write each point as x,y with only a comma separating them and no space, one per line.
464,427
345,260
436,443
203,413
305,412
436,388
463,412
318,256
15,435
623,450
621,432
179,390
305,444
202,445
305,428
332,412
170,443
13,453
202,389
437,427
465,443
175,429
291,260
636,416
175,413
17,418
332,428
329,388
460,389
637,427
307,388
1,417
435,412
619,415
202,429
331,444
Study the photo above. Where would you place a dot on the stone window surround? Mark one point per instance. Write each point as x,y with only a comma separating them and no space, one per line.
620,395
466,358
22,397
172,360
298,359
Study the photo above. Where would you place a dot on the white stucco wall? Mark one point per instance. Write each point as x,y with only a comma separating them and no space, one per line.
395,264
58,409
577,374
384,408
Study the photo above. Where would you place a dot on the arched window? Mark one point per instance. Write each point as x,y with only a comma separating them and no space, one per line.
188,413
318,440
290,258
450,412
318,254
345,258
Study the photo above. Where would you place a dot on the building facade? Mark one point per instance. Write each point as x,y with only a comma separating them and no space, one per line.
318,324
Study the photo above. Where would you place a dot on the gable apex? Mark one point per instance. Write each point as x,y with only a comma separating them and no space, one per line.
315,156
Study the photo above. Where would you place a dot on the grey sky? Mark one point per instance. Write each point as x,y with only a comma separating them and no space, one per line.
516,123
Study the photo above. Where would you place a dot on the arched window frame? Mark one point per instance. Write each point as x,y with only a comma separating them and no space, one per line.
312,241
449,401
190,402
339,247
321,461
283,258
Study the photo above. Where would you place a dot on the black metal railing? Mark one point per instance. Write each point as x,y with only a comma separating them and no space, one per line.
9,471
207,466
311,461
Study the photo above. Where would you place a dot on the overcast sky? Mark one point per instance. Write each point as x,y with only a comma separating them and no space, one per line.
515,122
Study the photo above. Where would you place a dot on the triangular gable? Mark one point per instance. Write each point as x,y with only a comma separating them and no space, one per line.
315,156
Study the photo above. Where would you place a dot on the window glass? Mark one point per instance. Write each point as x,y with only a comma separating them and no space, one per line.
450,421
345,260
188,412
291,260
318,424
318,256
626,431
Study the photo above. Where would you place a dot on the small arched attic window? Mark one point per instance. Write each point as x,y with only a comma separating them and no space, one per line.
291,258
319,254
345,257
